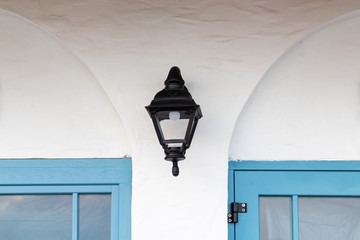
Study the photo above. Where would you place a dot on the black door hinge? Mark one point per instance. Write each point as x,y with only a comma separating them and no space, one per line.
235,209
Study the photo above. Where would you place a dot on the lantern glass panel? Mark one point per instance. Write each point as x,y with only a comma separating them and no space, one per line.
174,129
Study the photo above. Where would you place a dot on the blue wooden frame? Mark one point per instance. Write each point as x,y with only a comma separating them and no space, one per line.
250,179
74,176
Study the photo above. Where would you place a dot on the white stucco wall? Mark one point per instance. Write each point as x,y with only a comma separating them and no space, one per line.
222,47
306,107
51,105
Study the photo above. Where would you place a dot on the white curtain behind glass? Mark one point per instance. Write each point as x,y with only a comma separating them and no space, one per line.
329,218
275,218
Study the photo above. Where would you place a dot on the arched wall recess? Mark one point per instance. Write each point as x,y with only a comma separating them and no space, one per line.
306,106
51,106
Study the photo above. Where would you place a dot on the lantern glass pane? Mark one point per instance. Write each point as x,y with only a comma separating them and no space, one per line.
174,129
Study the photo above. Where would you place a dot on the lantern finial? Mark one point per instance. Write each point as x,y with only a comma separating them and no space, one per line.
174,79
175,169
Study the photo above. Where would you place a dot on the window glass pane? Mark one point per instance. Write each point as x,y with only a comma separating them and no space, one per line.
275,218
94,216
40,217
329,218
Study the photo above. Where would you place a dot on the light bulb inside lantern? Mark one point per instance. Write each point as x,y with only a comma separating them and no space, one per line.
174,116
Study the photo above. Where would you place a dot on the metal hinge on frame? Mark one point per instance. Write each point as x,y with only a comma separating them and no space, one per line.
235,209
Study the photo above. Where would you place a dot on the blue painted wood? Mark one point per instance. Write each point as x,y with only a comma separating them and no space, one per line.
296,165
74,176
313,183
125,211
115,209
295,217
68,171
246,191
54,189
75,216
287,178
231,198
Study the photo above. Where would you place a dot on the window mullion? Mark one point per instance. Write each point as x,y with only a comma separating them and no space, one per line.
75,216
295,217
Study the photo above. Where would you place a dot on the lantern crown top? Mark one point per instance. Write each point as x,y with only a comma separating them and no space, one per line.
174,96
174,79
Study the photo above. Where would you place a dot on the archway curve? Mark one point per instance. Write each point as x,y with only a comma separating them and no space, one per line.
51,105
306,105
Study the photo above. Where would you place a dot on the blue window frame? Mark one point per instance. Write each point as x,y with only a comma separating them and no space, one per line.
250,180
74,177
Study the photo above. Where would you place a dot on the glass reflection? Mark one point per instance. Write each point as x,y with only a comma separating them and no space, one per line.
94,216
40,217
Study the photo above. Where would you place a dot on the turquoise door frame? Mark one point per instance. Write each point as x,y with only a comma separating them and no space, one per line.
250,179
74,176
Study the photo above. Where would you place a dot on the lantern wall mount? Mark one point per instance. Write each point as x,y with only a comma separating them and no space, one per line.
174,103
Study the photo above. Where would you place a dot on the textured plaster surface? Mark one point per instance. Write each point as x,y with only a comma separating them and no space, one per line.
51,104
306,107
223,49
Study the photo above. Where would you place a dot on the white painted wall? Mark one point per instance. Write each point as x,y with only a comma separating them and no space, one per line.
51,105
306,107
222,47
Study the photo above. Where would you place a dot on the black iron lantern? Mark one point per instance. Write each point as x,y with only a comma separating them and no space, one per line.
175,115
